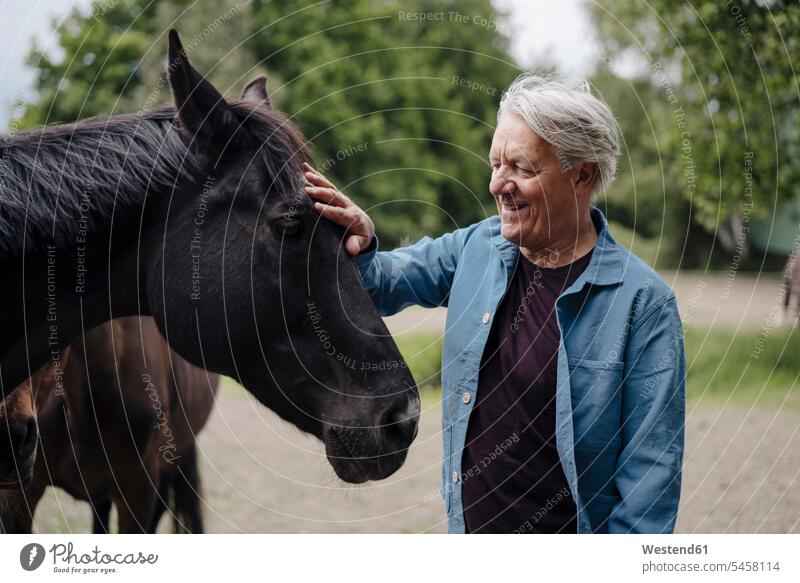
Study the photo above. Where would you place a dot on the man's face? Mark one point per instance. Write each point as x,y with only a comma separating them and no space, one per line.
537,203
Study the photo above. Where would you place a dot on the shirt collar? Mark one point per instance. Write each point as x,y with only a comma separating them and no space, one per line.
606,266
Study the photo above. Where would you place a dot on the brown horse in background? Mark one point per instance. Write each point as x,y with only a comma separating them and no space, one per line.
121,432
19,433
791,284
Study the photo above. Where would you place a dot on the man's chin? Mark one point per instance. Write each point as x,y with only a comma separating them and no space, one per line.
511,232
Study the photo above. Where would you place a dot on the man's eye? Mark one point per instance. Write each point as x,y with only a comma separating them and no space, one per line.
287,227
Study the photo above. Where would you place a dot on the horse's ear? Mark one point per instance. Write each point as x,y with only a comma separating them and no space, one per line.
201,108
256,91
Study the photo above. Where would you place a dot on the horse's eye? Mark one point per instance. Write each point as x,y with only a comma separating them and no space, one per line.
286,227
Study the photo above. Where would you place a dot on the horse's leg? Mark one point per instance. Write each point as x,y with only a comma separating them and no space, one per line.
187,492
162,502
18,507
101,515
136,503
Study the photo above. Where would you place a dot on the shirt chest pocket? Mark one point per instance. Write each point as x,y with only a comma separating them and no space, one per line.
596,388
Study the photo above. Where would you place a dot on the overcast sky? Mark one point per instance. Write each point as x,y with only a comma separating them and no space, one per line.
539,29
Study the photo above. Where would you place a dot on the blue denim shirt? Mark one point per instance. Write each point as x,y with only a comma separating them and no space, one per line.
621,368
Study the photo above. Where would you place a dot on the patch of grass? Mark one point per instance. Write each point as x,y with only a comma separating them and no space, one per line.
746,367
229,387
423,354
743,368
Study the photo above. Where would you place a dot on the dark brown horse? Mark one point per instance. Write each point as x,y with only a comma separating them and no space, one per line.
122,431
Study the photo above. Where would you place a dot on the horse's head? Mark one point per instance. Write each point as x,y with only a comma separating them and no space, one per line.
251,283
19,431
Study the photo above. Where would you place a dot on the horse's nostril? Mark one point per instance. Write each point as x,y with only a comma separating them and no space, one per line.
23,436
401,421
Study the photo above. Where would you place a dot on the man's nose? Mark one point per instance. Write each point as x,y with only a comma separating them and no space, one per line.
499,185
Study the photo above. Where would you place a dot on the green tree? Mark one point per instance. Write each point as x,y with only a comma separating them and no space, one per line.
112,57
398,97
644,197
98,62
213,33
725,72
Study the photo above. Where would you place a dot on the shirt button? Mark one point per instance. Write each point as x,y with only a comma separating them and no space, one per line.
466,398
485,318
455,476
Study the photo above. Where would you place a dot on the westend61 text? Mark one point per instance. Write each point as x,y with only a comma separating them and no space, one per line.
675,550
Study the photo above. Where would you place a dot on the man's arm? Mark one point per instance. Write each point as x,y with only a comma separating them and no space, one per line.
421,274
648,472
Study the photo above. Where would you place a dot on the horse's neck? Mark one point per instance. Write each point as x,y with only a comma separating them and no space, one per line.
71,208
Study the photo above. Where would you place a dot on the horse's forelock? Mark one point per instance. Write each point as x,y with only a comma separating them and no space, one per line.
283,147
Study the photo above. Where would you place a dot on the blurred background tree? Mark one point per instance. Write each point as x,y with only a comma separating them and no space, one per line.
399,110
723,95
378,93
98,64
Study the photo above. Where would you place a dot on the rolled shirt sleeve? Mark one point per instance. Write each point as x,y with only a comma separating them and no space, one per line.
421,274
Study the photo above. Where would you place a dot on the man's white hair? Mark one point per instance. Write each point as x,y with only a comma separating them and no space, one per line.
577,124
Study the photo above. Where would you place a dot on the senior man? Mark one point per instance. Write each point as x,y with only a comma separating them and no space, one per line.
563,365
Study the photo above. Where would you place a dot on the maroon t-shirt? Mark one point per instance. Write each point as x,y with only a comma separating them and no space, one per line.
512,479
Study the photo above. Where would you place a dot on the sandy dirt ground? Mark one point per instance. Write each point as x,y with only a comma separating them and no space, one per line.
741,473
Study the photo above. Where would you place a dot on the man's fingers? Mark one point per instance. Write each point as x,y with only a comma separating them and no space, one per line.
355,244
338,215
329,196
316,178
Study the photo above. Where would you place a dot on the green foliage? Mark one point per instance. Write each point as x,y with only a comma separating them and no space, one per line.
651,251
101,50
644,200
373,88
112,57
724,72
213,33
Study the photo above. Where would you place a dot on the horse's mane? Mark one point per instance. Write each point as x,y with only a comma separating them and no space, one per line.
49,176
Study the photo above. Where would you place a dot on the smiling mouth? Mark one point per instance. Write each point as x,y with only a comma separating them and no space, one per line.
509,205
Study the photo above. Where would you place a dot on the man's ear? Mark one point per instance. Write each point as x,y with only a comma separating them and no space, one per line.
256,91
201,108
588,173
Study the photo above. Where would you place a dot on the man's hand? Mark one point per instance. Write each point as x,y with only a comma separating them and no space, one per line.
335,206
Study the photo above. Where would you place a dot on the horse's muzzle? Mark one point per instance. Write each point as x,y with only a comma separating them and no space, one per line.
359,454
